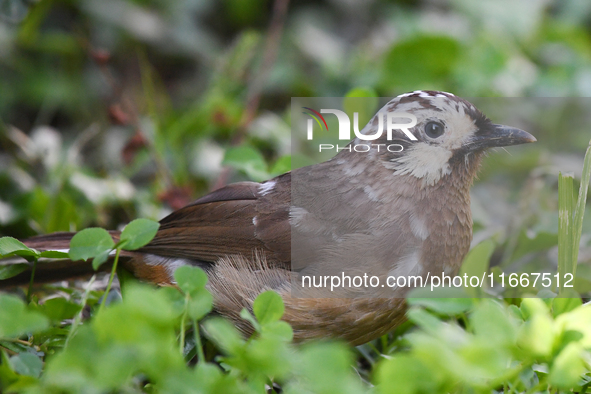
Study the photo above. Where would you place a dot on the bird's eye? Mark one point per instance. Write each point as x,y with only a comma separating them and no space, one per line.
434,129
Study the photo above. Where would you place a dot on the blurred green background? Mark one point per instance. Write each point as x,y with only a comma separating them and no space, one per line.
118,109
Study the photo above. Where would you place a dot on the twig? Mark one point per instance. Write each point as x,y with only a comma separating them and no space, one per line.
183,323
198,344
113,272
32,280
78,318
255,86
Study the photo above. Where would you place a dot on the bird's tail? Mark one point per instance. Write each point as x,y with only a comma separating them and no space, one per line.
51,270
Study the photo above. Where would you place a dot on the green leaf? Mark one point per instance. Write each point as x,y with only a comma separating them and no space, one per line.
100,258
268,307
580,207
58,309
536,335
54,254
248,160
327,368
277,329
224,334
404,374
541,241
7,375
515,312
11,246
139,233
562,305
266,356
493,323
175,298
126,278
16,320
419,61
281,166
444,306
476,263
425,320
568,367
578,320
89,243
190,279
246,315
8,271
27,364
200,304
444,300
532,306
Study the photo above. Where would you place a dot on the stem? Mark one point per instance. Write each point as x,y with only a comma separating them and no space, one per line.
183,321
15,340
113,270
565,228
198,345
78,318
256,83
384,342
368,357
30,289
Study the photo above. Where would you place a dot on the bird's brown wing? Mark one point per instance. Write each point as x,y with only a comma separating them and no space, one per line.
237,219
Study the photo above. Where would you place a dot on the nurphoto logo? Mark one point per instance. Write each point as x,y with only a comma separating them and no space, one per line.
388,121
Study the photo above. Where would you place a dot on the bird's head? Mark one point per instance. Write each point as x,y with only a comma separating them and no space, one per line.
450,132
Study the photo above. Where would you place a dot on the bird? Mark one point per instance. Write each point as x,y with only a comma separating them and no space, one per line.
404,212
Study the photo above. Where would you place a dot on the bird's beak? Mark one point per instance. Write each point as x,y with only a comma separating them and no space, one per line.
499,135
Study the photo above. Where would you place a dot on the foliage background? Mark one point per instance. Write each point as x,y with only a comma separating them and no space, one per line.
117,109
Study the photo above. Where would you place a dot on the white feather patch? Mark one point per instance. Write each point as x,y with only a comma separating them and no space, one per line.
62,250
266,187
408,265
111,253
423,161
352,169
371,193
296,215
170,263
418,227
